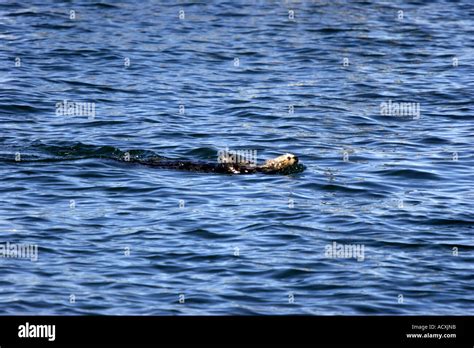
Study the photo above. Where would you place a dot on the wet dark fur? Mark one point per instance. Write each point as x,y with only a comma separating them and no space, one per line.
205,167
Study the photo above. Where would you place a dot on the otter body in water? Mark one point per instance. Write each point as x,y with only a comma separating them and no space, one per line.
227,163
284,164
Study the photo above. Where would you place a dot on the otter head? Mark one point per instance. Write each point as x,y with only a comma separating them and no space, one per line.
281,162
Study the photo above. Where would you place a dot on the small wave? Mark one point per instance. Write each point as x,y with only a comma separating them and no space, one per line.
409,174
19,109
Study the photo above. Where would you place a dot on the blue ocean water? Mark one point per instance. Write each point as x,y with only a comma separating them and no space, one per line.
313,78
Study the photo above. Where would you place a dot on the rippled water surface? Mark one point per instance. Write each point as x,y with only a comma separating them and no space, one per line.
303,77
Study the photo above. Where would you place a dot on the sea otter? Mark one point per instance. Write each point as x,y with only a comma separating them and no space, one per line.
228,162
284,164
